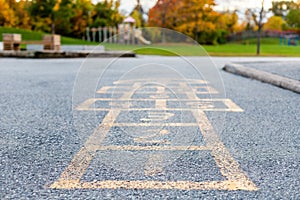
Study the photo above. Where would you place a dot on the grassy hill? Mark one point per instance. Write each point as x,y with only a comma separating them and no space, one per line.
34,35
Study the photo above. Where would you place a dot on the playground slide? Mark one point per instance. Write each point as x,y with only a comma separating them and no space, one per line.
138,35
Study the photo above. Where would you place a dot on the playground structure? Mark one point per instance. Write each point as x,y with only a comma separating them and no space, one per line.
14,41
125,33
291,39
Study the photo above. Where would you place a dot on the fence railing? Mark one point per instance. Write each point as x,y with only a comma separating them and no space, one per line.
253,34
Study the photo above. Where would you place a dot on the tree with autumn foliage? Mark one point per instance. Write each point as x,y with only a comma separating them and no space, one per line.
226,24
198,20
82,17
195,18
63,12
21,14
275,23
281,8
106,14
72,17
293,19
7,17
164,14
228,21
14,14
41,13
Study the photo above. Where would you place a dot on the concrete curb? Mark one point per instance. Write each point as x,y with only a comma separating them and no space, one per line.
279,81
64,54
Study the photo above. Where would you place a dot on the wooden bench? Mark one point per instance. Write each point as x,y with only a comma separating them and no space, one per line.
13,42
51,42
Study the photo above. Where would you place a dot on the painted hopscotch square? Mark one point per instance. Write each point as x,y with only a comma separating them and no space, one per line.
157,136
195,166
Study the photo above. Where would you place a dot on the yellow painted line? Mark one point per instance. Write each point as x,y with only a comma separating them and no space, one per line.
113,88
155,124
160,90
127,95
154,185
77,166
167,109
120,104
141,92
103,89
159,115
82,159
151,99
159,96
228,166
154,165
230,104
175,91
86,104
149,141
166,81
161,103
100,133
152,148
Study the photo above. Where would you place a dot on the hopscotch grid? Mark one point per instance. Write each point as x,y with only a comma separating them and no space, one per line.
236,179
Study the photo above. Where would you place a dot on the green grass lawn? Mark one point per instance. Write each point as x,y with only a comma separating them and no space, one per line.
231,49
250,50
269,47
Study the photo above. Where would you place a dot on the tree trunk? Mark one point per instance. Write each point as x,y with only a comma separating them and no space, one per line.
52,28
258,42
260,26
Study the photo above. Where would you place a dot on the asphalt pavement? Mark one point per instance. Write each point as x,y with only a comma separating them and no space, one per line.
289,69
147,128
